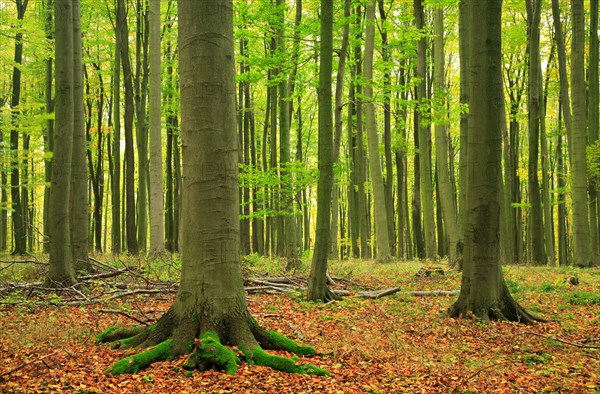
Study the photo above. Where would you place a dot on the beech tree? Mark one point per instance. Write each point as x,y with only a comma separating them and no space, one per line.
210,303
483,290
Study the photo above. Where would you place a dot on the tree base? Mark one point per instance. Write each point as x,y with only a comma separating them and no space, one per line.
504,308
170,338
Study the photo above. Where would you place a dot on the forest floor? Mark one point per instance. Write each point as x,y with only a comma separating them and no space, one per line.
397,343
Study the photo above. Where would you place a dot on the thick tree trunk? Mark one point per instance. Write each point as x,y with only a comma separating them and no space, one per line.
210,303
157,230
483,291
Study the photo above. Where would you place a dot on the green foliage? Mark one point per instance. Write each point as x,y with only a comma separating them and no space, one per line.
136,362
584,298
593,162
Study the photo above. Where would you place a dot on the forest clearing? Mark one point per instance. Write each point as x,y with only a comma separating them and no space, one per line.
397,343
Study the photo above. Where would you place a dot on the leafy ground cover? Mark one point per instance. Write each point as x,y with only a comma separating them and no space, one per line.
398,343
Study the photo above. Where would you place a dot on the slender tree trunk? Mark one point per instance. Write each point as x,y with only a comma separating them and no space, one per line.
463,47
337,138
381,225
140,98
116,142
546,174
80,219
582,253
317,283
426,173
157,230
61,272
387,129
446,196
18,210
132,243
535,227
48,136
593,119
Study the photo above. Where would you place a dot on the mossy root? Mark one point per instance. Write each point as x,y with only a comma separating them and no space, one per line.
136,362
211,354
258,356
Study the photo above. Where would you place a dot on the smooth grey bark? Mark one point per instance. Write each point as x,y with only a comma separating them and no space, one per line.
80,218
483,291
129,189
157,230
380,213
582,252
338,121
426,172
115,176
49,133
61,272
593,119
317,282
535,226
446,196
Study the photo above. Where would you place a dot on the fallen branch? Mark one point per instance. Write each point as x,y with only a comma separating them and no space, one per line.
118,312
3,375
386,292
579,345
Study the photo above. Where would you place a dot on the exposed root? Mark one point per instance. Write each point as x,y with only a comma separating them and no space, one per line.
505,308
171,337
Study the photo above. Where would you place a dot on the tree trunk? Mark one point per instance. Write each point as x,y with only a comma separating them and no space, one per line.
18,209
115,187
593,119
426,182
132,243
157,230
80,218
61,272
446,196
339,96
535,223
463,47
483,291
210,303
317,284
582,253
381,224
48,136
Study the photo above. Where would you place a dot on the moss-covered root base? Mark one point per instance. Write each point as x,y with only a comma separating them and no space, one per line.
119,333
258,356
504,309
211,354
136,362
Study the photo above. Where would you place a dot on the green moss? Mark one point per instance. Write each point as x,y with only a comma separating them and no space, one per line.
126,343
289,345
104,335
136,362
210,353
258,356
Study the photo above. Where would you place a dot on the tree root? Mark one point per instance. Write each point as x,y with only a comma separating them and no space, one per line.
172,337
505,308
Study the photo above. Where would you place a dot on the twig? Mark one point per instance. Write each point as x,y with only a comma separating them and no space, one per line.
385,292
118,312
2,376
579,345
